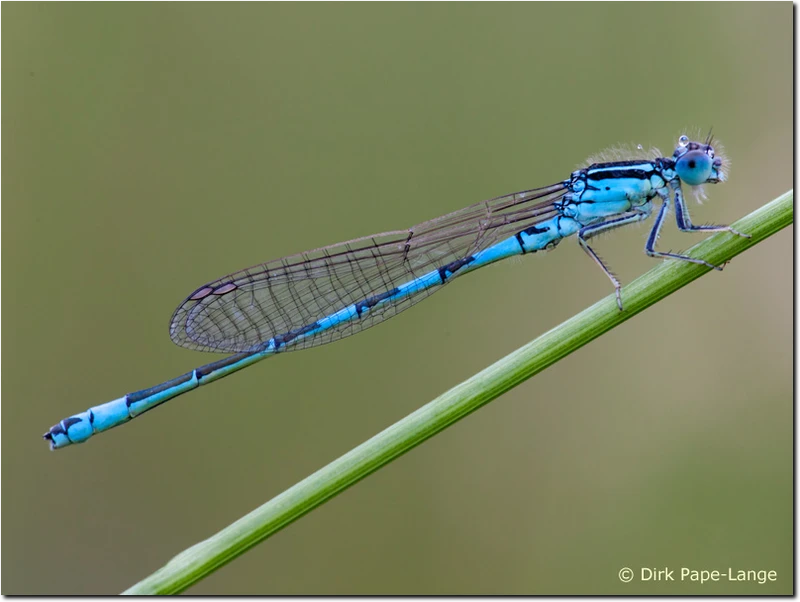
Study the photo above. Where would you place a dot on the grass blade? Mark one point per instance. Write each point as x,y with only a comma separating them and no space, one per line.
203,558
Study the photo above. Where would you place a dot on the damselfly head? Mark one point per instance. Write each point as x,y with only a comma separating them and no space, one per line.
697,163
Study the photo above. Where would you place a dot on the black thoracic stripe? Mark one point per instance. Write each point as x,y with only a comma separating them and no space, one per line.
282,339
619,163
369,302
451,268
636,174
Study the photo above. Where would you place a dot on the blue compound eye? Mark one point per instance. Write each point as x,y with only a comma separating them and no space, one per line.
694,167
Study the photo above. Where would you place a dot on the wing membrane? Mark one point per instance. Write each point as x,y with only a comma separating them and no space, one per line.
247,308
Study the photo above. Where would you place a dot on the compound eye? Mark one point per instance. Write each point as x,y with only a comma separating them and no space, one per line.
694,167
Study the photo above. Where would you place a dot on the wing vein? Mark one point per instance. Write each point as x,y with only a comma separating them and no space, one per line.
245,309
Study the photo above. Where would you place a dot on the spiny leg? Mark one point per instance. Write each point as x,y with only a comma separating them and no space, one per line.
587,232
685,222
649,247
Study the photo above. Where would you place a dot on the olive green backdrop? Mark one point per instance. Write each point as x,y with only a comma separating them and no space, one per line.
149,148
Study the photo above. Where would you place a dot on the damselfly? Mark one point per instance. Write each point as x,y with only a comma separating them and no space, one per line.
329,293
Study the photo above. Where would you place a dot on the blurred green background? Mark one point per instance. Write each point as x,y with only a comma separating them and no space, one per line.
149,148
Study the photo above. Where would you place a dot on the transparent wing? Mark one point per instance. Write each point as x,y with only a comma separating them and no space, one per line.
247,308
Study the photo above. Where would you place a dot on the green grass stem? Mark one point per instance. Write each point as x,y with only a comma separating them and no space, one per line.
668,276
